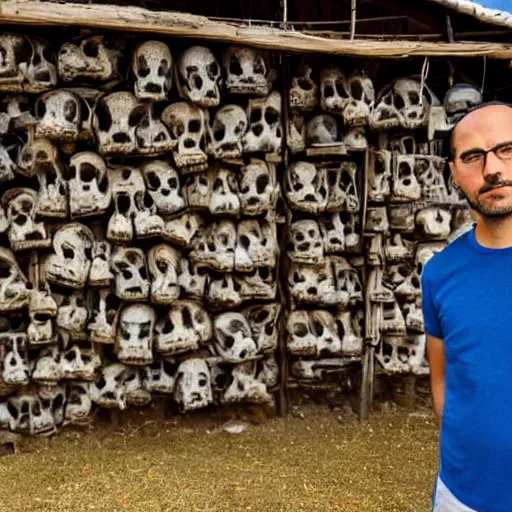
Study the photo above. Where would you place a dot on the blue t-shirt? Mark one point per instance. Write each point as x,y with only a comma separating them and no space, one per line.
467,302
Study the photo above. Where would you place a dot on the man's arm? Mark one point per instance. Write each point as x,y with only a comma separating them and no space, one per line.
436,359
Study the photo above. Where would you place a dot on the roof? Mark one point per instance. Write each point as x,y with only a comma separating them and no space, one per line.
496,12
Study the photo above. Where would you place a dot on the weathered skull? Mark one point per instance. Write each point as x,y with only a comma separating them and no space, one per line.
15,366
72,316
59,115
40,330
332,231
258,187
401,217
306,244
89,185
350,333
109,388
186,326
313,285
71,260
247,71
198,190
306,187
343,193
234,342
347,282
134,342
78,404
260,284
183,229
434,223
333,90
227,131
15,54
392,319
223,292
40,415
263,320
398,248
322,131
100,273
188,124
192,279
429,171
224,192
160,377
355,139
41,73
216,247
104,311
301,338
303,90
15,113
410,288
459,99
152,65
256,245
14,287
199,76
379,175
37,154
130,270
377,220
80,363
361,97
115,119
136,392
265,127
405,184
7,166
401,354
193,385
151,135
163,185
414,316
245,386
90,59
24,232
163,261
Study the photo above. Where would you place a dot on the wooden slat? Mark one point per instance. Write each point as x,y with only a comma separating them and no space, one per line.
129,18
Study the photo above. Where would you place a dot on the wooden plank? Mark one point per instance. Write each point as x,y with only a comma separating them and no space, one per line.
137,19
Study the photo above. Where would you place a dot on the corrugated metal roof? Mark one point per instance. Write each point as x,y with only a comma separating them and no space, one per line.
496,12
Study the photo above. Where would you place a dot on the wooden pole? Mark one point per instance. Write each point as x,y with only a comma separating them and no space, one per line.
353,19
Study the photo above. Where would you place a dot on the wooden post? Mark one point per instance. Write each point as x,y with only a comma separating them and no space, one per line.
353,19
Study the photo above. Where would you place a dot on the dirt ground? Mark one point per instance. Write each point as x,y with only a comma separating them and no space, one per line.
314,460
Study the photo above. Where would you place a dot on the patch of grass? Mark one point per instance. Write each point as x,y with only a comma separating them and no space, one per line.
312,464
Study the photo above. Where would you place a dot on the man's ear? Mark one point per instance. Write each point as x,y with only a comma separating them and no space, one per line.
452,168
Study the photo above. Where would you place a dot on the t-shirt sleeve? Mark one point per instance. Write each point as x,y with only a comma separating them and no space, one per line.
430,313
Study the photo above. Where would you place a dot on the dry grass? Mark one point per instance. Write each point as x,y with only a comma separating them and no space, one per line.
312,464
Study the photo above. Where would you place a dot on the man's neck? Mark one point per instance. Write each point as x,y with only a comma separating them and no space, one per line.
494,233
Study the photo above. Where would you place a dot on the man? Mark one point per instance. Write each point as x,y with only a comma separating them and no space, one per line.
467,307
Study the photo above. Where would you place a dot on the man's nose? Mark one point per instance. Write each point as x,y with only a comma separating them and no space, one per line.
494,166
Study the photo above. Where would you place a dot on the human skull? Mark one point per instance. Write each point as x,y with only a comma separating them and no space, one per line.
183,229
259,284
227,131
355,139
361,97
303,91
306,244
224,192
134,341
192,279
41,72
88,184
306,187
301,339
429,171
90,59
24,232
379,175
193,385
199,76
104,310
72,315
434,223
15,364
80,363
223,292
377,219
160,377
265,127
245,386
163,261
15,54
14,286
183,328
151,134
258,187
109,390
137,393
130,270
256,245
333,91
264,323
313,285
405,183
100,273
247,71
234,342
59,114
163,185
343,193
152,65
78,404
71,260
188,124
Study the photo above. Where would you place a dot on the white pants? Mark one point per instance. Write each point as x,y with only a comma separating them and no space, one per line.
445,501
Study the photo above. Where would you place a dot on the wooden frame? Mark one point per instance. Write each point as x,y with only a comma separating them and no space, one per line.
136,19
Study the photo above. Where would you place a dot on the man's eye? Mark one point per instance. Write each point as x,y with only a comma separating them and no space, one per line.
471,158
505,151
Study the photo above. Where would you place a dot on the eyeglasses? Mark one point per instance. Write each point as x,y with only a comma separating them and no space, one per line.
476,158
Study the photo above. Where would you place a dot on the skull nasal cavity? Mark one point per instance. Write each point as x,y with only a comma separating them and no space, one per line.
120,137
90,49
143,67
194,126
257,130
187,318
271,116
189,143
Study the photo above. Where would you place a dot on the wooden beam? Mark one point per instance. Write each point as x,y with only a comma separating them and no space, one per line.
136,19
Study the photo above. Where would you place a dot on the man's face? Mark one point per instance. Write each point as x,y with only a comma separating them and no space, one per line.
485,179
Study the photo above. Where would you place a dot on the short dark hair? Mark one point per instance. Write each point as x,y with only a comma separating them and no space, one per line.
472,109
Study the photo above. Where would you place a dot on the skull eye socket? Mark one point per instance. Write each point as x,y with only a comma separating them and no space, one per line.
68,252
162,266
356,91
229,341
5,269
213,70
87,172
173,183
399,102
271,116
90,49
132,257
203,381
70,111
142,66
261,316
259,66
264,273
26,206
101,382
70,356
329,91
219,133
319,328
153,181
300,330
163,69
305,84
144,330
261,183
414,97
256,115
194,126
136,116
235,68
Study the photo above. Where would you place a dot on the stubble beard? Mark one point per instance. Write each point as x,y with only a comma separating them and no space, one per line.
491,212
